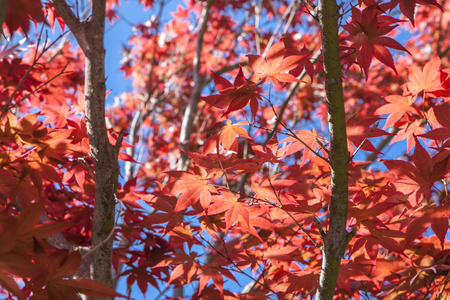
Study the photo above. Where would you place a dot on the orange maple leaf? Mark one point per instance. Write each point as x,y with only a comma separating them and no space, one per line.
191,188
427,80
397,107
274,66
232,206
230,132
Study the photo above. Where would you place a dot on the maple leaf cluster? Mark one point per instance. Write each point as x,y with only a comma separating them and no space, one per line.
255,198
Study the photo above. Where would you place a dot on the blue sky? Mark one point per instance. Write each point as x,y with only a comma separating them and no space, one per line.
130,13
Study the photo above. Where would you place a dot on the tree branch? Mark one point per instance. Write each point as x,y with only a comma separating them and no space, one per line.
71,21
191,109
336,240
90,36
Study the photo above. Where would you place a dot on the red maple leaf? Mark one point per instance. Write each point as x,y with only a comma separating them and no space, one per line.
297,144
274,66
274,191
437,217
215,272
191,188
224,161
359,132
407,7
52,16
165,206
443,117
304,62
230,132
234,97
397,107
20,12
420,177
408,131
233,207
367,37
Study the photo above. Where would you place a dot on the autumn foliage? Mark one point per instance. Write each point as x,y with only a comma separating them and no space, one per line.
248,217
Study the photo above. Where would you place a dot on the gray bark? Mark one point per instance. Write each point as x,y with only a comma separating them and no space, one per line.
90,36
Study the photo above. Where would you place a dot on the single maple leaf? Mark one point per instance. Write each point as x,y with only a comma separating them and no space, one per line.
230,132
215,272
234,97
297,144
427,81
187,266
408,131
20,12
443,117
191,187
360,131
270,153
397,108
367,37
57,114
429,215
275,66
407,7
232,205
165,205
181,13
420,177
303,64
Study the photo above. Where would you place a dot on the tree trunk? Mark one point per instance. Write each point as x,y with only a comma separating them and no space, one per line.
90,36
337,237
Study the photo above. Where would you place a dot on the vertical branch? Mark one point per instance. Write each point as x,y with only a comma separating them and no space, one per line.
336,240
104,154
3,7
90,36
148,105
191,109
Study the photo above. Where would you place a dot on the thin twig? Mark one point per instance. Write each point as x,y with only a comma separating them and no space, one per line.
294,135
37,89
313,6
373,156
277,29
364,141
281,206
319,226
237,268
111,233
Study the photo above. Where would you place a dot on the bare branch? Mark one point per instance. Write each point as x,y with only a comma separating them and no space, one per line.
291,8
191,109
292,134
72,22
364,141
